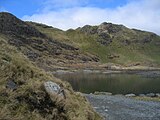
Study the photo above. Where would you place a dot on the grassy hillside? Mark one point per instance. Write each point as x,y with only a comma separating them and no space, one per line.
48,53
111,43
29,100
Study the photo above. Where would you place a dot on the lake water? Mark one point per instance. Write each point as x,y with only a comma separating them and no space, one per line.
124,83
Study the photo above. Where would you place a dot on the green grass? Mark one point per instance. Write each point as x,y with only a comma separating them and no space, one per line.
146,54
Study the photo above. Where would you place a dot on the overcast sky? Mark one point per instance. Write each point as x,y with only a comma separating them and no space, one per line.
65,14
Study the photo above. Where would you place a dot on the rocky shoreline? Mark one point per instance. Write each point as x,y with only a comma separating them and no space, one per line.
121,107
149,72
152,95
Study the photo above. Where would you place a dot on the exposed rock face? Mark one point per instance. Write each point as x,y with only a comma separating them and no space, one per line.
104,38
109,28
89,29
103,31
9,24
31,42
107,32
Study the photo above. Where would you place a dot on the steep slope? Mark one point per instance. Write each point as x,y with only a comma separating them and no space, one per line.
22,93
47,53
111,43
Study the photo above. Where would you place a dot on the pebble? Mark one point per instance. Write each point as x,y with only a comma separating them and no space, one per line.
150,95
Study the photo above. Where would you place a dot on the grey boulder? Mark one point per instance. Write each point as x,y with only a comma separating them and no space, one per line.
54,88
150,95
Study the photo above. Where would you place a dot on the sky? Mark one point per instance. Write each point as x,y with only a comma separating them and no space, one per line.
66,14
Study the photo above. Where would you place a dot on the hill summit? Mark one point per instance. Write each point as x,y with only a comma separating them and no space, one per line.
9,24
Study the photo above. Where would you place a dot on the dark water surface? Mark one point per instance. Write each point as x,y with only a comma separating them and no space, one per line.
124,83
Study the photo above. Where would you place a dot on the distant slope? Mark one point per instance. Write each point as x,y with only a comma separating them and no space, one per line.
111,43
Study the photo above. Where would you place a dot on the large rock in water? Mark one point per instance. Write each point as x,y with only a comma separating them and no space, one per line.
54,88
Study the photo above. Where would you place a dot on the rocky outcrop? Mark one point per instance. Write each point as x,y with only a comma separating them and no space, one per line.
109,28
103,31
87,29
11,25
104,38
36,45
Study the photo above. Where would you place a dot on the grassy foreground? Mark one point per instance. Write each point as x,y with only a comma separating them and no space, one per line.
30,101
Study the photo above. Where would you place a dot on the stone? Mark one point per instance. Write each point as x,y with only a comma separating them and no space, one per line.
130,95
150,95
157,94
54,88
108,93
106,110
11,85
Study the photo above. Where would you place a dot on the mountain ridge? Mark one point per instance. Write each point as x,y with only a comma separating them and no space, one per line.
37,45
102,44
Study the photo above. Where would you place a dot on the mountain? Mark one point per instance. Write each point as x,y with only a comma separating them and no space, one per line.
38,47
89,46
111,43
22,91
30,52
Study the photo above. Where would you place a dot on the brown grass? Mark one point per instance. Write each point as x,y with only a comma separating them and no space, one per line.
30,100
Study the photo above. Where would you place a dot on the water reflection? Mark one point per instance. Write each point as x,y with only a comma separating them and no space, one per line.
114,83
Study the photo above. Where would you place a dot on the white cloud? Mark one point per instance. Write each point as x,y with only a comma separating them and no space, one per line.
142,14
